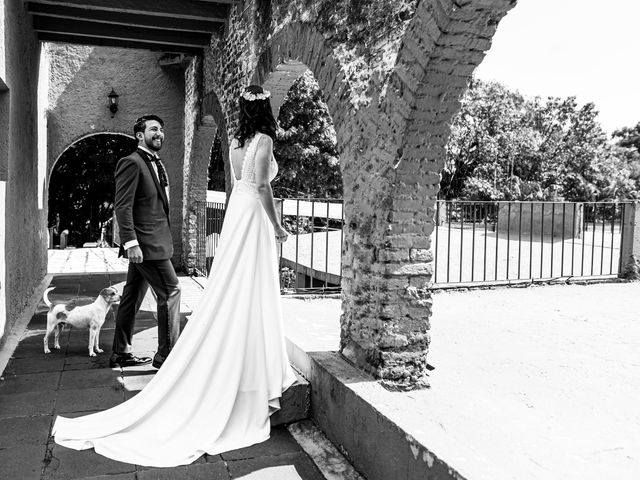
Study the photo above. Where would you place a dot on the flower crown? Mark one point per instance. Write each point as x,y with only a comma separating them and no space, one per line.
250,97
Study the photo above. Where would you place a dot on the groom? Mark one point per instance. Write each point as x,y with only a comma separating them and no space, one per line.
142,211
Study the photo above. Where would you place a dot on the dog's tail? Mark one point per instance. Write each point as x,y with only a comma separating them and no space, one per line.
45,297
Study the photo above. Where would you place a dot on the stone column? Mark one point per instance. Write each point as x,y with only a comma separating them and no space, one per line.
630,249
196,191
391,175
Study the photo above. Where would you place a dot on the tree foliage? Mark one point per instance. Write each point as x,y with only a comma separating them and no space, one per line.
82,186
504,146
306,145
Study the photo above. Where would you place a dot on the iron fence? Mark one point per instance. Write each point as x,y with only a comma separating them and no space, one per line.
506,241
473,242
310,261
209,218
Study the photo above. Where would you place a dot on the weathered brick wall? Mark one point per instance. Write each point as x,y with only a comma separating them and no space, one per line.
24,255
392,74
82,76
191,96
443,44
200,132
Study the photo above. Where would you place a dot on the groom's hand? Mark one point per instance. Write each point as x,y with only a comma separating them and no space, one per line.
134,254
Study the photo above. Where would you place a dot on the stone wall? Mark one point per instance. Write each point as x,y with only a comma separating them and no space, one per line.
536,219
392,74
200,132
82,76
23,253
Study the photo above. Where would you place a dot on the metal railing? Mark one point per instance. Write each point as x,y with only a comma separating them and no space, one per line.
209,218
310,260
478,242
473,242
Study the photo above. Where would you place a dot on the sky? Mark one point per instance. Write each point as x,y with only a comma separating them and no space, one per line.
589,49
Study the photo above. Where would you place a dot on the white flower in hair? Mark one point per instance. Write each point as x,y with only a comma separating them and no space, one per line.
250,97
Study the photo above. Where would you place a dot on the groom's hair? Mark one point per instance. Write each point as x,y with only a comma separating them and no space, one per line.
139,126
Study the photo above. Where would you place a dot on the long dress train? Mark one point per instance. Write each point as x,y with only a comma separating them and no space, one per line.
223,379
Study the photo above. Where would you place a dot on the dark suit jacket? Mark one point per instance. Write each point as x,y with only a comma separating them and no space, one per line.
142,207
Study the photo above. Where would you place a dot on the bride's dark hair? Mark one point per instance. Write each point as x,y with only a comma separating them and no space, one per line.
255,116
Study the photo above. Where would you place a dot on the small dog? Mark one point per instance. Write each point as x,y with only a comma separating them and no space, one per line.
91,316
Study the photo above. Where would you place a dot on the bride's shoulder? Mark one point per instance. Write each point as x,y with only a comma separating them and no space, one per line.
264,140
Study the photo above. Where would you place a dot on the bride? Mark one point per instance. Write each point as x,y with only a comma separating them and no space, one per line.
229,367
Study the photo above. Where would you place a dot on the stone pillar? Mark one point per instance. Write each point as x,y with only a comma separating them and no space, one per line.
391,177
630,248
387,270
196,191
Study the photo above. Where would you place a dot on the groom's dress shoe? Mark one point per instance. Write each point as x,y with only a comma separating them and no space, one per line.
127,360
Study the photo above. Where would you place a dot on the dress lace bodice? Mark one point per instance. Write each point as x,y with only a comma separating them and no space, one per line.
247,183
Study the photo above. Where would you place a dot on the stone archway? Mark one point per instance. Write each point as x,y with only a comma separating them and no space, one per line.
392,84
81,188
392,136
81,77
280,80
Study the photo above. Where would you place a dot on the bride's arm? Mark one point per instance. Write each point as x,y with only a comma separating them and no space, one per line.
262,159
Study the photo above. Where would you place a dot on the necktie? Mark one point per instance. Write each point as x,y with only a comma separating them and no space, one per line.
162,173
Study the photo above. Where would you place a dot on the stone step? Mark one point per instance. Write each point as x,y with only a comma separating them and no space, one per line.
294,404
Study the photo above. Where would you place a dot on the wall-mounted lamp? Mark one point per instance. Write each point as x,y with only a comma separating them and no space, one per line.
113,102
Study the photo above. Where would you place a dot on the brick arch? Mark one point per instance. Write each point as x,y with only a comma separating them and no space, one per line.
280,80
296,47
210,122
366,294
391,140
404,153
392,123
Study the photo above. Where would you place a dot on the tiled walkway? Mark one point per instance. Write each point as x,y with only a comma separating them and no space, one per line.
36,387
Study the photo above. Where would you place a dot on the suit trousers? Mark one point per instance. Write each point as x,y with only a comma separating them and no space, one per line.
160,275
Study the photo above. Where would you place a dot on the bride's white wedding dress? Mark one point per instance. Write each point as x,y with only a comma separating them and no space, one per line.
223,379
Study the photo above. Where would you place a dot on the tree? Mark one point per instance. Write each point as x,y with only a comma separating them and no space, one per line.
628,137
627,148
504,146
306,145
488,156
82,186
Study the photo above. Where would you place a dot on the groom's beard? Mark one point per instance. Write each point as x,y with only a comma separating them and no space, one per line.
154,144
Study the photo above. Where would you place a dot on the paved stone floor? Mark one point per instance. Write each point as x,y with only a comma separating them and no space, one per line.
36,387
529,383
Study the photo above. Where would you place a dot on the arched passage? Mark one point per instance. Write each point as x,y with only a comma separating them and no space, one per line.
392,74
81,188
81,77
392,134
